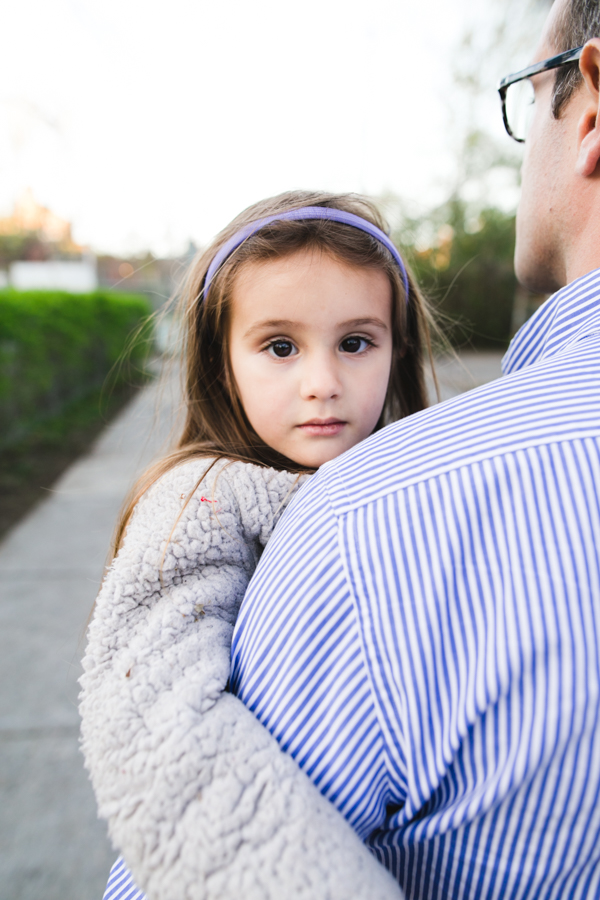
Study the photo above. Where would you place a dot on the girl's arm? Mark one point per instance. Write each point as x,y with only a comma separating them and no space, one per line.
198,796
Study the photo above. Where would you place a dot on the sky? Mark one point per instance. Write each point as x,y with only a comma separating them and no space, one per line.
150,124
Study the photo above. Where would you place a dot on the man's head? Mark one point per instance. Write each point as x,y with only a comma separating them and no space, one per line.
558,226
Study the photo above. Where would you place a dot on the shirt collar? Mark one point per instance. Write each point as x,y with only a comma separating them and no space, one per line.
564,319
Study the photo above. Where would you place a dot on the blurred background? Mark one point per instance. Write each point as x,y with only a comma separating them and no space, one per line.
130,133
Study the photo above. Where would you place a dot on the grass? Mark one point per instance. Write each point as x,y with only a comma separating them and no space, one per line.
28,469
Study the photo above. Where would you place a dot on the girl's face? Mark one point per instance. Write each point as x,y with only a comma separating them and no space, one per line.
311,351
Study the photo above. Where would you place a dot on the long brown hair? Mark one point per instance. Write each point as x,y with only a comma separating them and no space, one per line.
216,425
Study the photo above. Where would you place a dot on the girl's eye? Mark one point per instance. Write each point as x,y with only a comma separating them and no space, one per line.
281,349
354,344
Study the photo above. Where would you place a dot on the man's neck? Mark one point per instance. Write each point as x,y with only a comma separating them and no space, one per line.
582,254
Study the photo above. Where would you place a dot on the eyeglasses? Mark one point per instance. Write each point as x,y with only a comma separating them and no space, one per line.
517,97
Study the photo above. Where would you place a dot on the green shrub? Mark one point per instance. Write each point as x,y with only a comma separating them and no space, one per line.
56,348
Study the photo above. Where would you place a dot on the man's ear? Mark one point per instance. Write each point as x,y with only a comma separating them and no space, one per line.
588,129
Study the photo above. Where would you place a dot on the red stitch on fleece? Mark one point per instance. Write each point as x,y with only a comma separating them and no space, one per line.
205,500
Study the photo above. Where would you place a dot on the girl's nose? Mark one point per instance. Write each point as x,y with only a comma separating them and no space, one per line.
320,379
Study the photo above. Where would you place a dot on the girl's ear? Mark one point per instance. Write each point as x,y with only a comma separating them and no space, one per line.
588,129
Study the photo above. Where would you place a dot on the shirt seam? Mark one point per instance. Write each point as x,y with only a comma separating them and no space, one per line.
352,507
390,769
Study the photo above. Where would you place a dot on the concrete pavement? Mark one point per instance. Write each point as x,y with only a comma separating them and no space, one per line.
53,846
470,369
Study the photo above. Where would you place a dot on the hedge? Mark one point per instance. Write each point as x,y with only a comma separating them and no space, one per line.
470,277
56,348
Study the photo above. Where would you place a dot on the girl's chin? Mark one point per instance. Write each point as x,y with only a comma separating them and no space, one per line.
318,454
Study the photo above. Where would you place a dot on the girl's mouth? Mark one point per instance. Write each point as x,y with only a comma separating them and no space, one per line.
323,427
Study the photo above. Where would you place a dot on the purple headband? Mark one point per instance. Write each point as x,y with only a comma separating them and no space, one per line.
305,212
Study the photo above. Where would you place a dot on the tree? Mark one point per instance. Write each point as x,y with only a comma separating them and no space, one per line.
462,252
468,274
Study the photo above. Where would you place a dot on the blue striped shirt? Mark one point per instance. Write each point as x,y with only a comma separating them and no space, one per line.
422,632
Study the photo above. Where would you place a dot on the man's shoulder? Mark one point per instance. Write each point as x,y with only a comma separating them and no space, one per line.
554,401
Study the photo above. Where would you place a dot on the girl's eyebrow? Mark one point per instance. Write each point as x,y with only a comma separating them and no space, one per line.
288,323
269,323
369,320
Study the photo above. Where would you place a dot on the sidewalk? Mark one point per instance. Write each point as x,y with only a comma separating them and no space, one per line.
53,846
458,374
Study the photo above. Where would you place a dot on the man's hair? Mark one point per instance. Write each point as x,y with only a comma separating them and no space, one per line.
577,24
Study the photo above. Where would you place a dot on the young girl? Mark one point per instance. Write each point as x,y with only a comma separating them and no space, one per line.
304,334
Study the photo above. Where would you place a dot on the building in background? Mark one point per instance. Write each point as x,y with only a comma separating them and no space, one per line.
37,252
30,217
34,233
75,275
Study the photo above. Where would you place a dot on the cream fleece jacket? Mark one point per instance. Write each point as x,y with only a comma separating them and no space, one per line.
199,798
